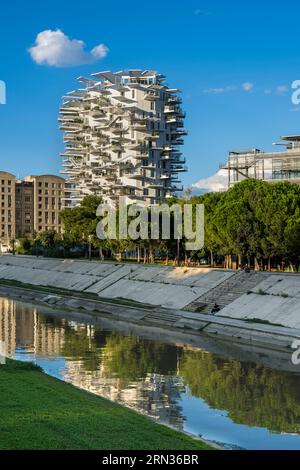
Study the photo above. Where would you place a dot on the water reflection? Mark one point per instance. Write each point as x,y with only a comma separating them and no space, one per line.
178,385
251,393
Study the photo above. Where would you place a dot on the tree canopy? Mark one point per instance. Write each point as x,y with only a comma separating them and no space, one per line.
254,221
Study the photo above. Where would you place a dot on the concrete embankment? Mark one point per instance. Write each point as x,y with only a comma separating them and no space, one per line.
170,322
157,285
260,308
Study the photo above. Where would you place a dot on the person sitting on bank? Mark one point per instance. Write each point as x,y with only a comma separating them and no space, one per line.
215,308
247,269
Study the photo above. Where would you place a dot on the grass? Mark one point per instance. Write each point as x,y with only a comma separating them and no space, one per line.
40,412
262,322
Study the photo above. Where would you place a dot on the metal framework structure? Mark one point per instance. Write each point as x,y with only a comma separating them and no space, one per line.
267,166
122,133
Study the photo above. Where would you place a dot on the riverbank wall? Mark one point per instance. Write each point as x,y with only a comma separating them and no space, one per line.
258,308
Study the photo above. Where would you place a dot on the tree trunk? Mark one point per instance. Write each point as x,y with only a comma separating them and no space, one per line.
239,261
138,254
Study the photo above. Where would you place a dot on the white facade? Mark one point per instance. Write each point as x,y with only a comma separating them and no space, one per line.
267,166
122,133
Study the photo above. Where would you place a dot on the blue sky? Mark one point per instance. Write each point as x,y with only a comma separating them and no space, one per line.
209,49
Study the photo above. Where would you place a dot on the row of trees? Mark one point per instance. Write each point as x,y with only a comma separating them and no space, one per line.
254,223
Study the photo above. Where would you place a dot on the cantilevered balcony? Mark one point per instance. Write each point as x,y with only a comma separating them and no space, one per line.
178,169
155,185
165,176
172,109
177,142
136,176
179,132
172,119
169,157
152,95
174,100
117,148
152,137
139,126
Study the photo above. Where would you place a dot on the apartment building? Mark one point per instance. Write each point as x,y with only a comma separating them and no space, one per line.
24,210
29,206
7,191
122,134
48,195
282,165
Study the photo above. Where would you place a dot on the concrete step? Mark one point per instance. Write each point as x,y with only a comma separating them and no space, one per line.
228,291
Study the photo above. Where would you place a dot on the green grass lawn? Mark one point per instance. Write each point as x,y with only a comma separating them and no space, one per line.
40,412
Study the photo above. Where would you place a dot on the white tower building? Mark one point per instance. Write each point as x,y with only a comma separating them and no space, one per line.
122,133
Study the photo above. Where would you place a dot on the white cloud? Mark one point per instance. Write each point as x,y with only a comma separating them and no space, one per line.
199,12
218,91
212,184
99,52
247,86
282,89
56,49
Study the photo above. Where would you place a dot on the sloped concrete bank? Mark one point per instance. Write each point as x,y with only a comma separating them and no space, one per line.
172,322
166,286
258,308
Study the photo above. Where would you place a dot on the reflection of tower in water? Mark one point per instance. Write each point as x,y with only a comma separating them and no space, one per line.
8,325
154,395
48,337
22,327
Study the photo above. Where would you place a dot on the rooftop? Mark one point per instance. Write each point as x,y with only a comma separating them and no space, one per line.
291,138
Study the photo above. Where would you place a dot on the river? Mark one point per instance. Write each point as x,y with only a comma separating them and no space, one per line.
221,396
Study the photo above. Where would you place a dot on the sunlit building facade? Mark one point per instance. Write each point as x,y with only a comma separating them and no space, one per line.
8,192
29,206
48,199
122,135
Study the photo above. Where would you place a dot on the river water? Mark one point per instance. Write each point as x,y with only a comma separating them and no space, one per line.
222,397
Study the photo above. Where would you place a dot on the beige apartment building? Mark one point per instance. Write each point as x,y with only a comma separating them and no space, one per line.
29,206
48,195
7,190
24,209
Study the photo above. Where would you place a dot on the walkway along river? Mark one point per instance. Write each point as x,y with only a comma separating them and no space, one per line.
237,395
